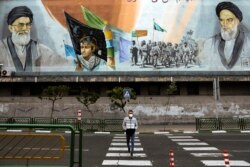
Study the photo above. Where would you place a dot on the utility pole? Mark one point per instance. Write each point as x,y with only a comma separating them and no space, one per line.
216,90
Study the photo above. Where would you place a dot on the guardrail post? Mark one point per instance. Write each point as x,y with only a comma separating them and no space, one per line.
80,147
55,120
32,120
242,123
100,125
197,123
219,124
103,125
79,125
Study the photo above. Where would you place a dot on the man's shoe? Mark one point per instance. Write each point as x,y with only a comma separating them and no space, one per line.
131,154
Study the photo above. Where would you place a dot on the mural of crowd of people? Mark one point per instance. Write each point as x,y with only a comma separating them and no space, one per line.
96,44
160,54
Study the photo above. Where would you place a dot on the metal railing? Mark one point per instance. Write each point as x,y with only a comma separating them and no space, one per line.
87,125
15,146
20,146
222,123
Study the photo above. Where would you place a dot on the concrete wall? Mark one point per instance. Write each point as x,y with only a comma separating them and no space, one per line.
148,109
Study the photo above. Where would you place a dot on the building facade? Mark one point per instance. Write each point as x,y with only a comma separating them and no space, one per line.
145,45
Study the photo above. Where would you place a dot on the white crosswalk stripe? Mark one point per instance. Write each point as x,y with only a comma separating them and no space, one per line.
118,156
180,137
222,163
124,144
208,154
125,155
123,140
123,137
200,148
124,149
127,162
192,144
185,140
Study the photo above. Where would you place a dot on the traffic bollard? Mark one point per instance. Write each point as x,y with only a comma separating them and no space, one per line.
171,158
79,115
79,119
226,158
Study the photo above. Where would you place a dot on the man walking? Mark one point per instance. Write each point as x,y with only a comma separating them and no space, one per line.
130,125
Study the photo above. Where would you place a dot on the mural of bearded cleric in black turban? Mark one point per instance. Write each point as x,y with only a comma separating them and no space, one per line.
230,48
19,52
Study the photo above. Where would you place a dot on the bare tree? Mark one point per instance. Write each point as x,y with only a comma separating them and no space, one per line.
169,91
117,98
172,88
53,93
88,98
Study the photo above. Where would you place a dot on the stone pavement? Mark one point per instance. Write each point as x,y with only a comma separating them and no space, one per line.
168,128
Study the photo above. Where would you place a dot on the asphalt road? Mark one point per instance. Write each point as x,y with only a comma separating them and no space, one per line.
190,150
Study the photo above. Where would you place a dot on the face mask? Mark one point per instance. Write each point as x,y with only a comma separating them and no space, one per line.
130,115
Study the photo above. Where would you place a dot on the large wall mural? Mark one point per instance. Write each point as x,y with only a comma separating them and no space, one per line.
124,35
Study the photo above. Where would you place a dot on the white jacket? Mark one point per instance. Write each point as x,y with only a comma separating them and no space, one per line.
129,123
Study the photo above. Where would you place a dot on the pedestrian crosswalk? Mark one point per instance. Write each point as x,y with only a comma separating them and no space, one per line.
203,150
118,153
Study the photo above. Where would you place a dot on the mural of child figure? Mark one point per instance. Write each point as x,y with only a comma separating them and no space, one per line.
88,61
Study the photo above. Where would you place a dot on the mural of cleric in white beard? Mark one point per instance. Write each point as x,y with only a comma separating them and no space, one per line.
231,34
229,49
21,53
20,38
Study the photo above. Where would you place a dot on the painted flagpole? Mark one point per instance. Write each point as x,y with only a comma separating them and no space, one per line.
110,48
153,29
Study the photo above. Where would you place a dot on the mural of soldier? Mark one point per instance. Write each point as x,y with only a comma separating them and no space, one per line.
19,52
186,54
227,48
144,53
134,53
149,47
170,54
176,54
155,53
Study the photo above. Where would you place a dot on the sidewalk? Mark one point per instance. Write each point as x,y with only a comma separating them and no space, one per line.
168,128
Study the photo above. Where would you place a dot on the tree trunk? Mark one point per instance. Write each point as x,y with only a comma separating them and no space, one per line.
52,110
167,109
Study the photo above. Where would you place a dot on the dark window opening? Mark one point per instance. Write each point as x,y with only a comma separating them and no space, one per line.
154,90
16,91
193,89
35,90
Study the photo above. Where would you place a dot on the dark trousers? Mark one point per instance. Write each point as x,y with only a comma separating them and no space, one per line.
130,136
